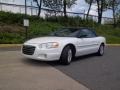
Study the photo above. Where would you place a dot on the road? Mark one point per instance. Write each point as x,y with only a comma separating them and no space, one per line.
18,73
94,72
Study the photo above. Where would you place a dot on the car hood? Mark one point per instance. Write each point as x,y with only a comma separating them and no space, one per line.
48,39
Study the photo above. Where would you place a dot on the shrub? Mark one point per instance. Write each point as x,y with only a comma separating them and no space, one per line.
12,30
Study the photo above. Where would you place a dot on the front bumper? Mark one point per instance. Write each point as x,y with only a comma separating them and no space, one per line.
44,54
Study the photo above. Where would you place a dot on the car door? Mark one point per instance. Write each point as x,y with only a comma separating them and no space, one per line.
87,42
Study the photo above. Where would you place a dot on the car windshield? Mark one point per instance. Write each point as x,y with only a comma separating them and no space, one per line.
65,32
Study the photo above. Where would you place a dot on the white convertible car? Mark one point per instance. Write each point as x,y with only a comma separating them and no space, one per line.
64,45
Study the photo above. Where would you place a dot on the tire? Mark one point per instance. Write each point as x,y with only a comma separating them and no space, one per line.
101,50
66,56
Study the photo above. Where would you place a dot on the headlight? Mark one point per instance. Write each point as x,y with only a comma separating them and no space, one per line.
49,45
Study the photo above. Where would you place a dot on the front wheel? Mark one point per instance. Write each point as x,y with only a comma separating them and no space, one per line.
66,56
101,50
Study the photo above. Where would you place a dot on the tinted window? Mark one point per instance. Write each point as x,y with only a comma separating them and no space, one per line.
66,32
86,33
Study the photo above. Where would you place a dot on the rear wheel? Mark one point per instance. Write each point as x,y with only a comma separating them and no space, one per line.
66,56
101,50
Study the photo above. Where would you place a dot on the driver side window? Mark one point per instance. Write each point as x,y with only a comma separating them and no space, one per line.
86,33
82,34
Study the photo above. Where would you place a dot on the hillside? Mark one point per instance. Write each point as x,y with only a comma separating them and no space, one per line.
12,30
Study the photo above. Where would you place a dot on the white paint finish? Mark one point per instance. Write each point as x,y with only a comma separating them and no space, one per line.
83,46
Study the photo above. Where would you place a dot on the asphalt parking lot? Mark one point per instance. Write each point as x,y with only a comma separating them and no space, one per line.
97,73
18,73
94,72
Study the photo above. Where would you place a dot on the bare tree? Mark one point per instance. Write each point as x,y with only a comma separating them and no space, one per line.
114,6
100,10
102,6
67,4
58,4
64,8
113,9
90,4
54,5
39,4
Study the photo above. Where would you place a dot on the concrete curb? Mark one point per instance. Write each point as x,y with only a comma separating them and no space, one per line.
10,45
113,44
19,45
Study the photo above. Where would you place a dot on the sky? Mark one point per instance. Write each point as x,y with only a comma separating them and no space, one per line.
79,7
82,6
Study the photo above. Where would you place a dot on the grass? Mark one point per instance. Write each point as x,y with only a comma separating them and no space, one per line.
13,32
111,34
38,28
